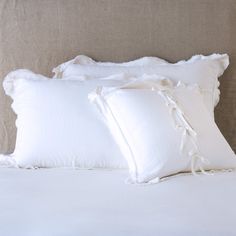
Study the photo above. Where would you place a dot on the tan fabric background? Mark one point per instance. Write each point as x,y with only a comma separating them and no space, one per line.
39,34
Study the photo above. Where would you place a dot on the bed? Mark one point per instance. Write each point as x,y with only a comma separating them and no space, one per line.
99,203
41,34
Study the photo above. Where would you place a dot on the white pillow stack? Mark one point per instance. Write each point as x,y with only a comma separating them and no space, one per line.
151,116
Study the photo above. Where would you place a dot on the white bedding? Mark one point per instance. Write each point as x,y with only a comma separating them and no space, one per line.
60,202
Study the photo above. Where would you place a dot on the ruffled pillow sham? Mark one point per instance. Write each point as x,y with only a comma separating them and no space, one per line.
201,70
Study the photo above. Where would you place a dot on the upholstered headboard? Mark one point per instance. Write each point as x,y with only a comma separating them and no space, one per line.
41,34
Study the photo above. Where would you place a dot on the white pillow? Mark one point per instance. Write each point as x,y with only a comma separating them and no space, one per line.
162,129
201,70
85,60
56,124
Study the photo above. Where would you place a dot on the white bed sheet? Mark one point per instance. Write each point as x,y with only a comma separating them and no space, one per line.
60,202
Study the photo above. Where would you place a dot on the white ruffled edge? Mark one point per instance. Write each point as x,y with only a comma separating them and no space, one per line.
85,60
215,56
143,61
12,77
223,60
80,59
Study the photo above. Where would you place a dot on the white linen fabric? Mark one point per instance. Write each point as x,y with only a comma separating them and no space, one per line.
162,129
85,60
201,70
56,124
97,203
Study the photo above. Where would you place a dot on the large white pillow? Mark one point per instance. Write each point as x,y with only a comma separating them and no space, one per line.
85,60
201,70
56,124
163,129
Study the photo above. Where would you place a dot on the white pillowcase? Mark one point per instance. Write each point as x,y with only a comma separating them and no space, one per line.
162,129
56,124
85,60
201,70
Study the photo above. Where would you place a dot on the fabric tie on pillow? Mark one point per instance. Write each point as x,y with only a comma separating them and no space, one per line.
189,135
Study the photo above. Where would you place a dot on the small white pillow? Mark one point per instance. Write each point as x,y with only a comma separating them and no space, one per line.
85,60
201,70
56,124
162,129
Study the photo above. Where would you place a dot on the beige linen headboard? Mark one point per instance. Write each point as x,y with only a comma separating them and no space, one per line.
39,34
